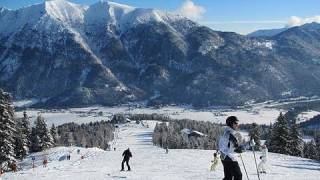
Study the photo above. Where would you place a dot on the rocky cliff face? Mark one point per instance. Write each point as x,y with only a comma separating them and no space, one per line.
109,53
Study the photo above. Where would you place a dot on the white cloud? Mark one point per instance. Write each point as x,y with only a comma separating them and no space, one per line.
298,21
191,10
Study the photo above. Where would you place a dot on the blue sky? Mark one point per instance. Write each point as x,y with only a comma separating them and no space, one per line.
241,16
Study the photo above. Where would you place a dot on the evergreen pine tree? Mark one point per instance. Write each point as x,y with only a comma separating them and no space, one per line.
310,150
296,142
317,145
42,132
22,138
279,142
53,132
21,147
7,128
26,128
34,141
18,145
67,139
255,133
269,137
305,149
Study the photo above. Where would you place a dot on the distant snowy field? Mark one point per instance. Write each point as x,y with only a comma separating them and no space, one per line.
152,163
259,113
98,113
307,115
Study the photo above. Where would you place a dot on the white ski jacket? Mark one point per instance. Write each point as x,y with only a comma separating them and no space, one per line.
228,143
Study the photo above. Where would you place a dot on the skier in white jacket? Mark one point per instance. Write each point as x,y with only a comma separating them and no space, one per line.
229,147
263,157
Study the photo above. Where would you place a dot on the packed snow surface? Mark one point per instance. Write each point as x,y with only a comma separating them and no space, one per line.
151,162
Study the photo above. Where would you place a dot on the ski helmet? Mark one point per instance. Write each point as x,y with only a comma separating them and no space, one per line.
230,120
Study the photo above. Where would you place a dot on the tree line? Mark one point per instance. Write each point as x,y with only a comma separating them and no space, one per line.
170,135
153,116
312,124
17,138
93,134
285,137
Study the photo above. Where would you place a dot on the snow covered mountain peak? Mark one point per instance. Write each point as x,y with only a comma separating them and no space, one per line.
117,5
3,9
105,12
122,16
99,15
65,11
41,16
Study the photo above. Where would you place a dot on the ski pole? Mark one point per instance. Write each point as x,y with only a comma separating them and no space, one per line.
245,170
254,154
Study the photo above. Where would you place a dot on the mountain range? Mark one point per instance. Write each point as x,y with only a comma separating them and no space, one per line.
108,53
266,32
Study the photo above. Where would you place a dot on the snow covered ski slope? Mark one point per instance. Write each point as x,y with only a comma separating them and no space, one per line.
151,162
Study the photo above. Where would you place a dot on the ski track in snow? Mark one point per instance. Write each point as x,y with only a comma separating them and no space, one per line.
151,162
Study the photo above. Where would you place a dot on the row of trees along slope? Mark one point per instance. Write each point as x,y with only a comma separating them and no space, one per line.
284,136
18,138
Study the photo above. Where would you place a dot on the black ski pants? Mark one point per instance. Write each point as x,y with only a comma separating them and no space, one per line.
231,169
125,160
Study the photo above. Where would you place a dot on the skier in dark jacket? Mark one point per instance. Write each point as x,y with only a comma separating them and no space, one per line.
229,147
126,157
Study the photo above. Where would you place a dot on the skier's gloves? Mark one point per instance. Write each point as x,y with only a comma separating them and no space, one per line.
238,150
